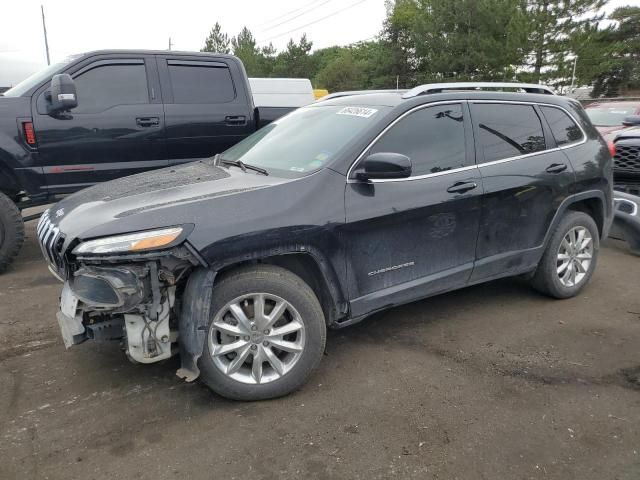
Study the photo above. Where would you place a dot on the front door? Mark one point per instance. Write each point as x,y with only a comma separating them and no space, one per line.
117,129
413,237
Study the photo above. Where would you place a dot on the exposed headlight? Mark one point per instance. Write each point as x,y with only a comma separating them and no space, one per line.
131,242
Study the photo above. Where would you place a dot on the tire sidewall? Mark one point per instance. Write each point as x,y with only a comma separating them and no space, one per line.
300,296
12,231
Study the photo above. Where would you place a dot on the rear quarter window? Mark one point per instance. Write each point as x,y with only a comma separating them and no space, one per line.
563,127
200,83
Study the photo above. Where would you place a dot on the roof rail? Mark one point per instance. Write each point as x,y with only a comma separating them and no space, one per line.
358,92
441,87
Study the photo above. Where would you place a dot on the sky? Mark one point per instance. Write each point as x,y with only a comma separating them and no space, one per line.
76,26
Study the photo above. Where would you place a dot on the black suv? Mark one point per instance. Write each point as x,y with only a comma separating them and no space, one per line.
334,212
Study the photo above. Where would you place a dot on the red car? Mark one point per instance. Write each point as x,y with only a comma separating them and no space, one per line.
608,117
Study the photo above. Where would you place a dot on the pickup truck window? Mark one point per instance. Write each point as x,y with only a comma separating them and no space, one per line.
286,149
106,86
200,83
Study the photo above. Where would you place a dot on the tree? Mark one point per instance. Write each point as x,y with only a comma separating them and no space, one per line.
295,61
245,48
553,24
343,72
217,41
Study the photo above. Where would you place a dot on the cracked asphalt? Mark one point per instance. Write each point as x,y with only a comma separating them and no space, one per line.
490,382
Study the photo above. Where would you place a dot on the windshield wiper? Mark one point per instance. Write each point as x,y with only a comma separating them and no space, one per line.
218,160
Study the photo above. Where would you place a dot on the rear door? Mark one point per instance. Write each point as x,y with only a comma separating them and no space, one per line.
117,129
525,178
206,111
412,237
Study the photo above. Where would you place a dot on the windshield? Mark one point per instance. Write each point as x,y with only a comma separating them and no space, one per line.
38,77
610,116
305,140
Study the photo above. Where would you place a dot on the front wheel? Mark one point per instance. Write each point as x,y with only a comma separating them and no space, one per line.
11,232
266,335
570,257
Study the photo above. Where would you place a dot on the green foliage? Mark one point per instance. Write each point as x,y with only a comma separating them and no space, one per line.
444,40
217,41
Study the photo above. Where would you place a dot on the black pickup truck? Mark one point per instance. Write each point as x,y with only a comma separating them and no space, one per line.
102,115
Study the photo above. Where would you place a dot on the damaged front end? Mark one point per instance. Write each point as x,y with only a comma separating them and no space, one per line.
121,295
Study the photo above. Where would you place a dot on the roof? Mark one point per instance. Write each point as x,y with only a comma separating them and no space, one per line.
156,52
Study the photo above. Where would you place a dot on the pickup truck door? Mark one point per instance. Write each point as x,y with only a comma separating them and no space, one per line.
207,106
117,129
412,237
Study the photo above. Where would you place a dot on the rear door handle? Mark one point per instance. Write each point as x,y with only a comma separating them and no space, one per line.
235,120
556,167
147,121
461,187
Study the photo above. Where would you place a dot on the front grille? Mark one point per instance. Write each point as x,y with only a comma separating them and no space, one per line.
51,241
627,158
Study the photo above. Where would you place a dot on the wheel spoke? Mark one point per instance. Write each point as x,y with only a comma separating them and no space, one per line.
240,316
256,368
258,308
286,345
585,243
292,326
275,314
563,256
563,267
237,362
573,274
579,238
274,361
229,347
579,267
233,330
584,256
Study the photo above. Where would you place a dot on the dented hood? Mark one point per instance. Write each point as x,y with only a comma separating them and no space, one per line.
154,199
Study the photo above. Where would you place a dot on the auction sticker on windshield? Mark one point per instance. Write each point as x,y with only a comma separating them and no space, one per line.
358,111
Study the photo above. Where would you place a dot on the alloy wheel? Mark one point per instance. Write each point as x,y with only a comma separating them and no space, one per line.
256,338
575,255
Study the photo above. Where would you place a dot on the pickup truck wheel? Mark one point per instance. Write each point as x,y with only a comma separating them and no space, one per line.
11,232
570,257
266,336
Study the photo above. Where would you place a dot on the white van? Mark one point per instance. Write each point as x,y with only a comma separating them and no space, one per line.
281,92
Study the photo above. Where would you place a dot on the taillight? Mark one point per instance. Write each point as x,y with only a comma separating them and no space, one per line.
612,147
29,133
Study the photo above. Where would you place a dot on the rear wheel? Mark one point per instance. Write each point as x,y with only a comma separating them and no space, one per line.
266,336
11,232
570,257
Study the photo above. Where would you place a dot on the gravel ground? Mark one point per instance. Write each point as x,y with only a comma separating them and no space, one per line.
490,382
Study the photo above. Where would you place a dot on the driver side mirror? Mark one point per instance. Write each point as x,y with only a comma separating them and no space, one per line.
384,165
631,121
62,95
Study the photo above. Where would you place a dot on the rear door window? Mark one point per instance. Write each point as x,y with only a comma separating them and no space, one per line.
200,82
507,130
563,128
433,138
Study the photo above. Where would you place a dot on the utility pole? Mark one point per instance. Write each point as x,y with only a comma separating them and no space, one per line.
44,28
573,76
170,44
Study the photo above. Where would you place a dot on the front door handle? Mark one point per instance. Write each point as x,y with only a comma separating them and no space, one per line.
461,187
556,167
147,121
238,120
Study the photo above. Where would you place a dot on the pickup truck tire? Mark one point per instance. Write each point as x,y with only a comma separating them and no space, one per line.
243,345
11,232
570,257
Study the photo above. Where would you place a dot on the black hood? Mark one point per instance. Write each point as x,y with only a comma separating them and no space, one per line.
152,199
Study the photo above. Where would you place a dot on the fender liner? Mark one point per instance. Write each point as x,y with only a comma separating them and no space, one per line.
192,324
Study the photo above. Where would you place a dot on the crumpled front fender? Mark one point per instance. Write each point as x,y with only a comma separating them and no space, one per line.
193,321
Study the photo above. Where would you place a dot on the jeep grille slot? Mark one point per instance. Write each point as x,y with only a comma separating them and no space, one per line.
51,241
627,158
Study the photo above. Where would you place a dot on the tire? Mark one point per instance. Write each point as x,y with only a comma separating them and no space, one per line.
276,287
11,232
550,277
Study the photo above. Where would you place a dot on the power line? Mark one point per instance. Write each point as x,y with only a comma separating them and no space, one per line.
296,10
311,23
296,16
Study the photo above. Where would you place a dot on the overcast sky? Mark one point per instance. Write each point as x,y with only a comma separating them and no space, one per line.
76,26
